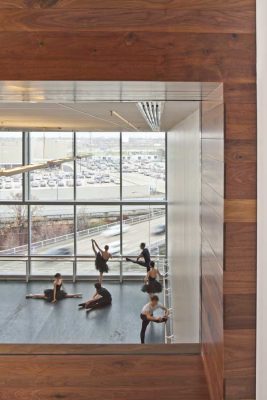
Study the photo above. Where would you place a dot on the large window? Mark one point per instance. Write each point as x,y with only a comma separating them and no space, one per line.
98,166
72,187
10,158
143,165
13,239
54,181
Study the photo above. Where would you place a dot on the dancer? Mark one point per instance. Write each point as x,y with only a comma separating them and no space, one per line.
147,315
152,285
101,259
55,294
145,255
101,298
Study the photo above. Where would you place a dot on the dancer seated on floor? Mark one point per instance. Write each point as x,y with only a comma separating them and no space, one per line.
145,255
55,294
101,298
147,315
152,285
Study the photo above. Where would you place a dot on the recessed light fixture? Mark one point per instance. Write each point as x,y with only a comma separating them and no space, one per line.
152,112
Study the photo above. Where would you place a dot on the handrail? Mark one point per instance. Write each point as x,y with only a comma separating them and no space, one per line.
72,258
166,301
85,232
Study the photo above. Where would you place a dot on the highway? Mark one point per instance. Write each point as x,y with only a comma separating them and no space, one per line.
131,241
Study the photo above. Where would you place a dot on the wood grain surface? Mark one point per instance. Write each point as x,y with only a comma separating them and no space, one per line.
166,40
97,377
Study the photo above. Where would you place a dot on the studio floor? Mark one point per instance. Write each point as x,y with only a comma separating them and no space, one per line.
36,321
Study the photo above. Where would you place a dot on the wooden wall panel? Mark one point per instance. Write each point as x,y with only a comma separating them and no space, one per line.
153,20
207,5
240,246
83,377
240,252
89,55
240,120
168,40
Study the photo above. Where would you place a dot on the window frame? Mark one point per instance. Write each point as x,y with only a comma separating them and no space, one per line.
75,258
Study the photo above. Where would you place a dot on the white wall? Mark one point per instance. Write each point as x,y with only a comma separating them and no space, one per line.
262,200
184,227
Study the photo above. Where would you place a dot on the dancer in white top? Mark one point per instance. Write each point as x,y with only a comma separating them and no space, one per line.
147,315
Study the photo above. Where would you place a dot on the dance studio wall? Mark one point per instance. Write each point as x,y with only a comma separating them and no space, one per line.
184,177
212,239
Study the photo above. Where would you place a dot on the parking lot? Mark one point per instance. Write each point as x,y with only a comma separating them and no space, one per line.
141,179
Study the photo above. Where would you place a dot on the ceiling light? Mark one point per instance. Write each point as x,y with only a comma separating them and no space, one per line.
152,112
32,167
124,120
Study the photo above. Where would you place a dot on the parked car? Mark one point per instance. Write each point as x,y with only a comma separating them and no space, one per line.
51,183
35,184
70,182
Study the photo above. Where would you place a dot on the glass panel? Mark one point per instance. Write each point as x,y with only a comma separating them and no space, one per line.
12,267
101,223
13,230
98,168
52,230
55,180
51,267
143,224
143,165
87,267
10,157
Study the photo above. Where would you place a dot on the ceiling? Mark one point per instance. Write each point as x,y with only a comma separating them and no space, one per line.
88,116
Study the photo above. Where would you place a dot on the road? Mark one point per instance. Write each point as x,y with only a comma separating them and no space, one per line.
131,240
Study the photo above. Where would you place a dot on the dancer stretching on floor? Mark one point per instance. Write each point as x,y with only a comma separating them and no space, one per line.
152,285
145,255
55,294
101,259
101,298
147,315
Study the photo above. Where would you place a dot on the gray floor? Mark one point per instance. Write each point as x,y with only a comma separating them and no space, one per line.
36,321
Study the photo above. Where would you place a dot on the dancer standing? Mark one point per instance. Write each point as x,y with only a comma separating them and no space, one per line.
152,285
101,259
147,315
145,255
101,298
55,294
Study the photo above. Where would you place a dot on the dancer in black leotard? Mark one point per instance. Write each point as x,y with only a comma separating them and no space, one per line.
101,259
101,298
55,294
152,285
145,255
